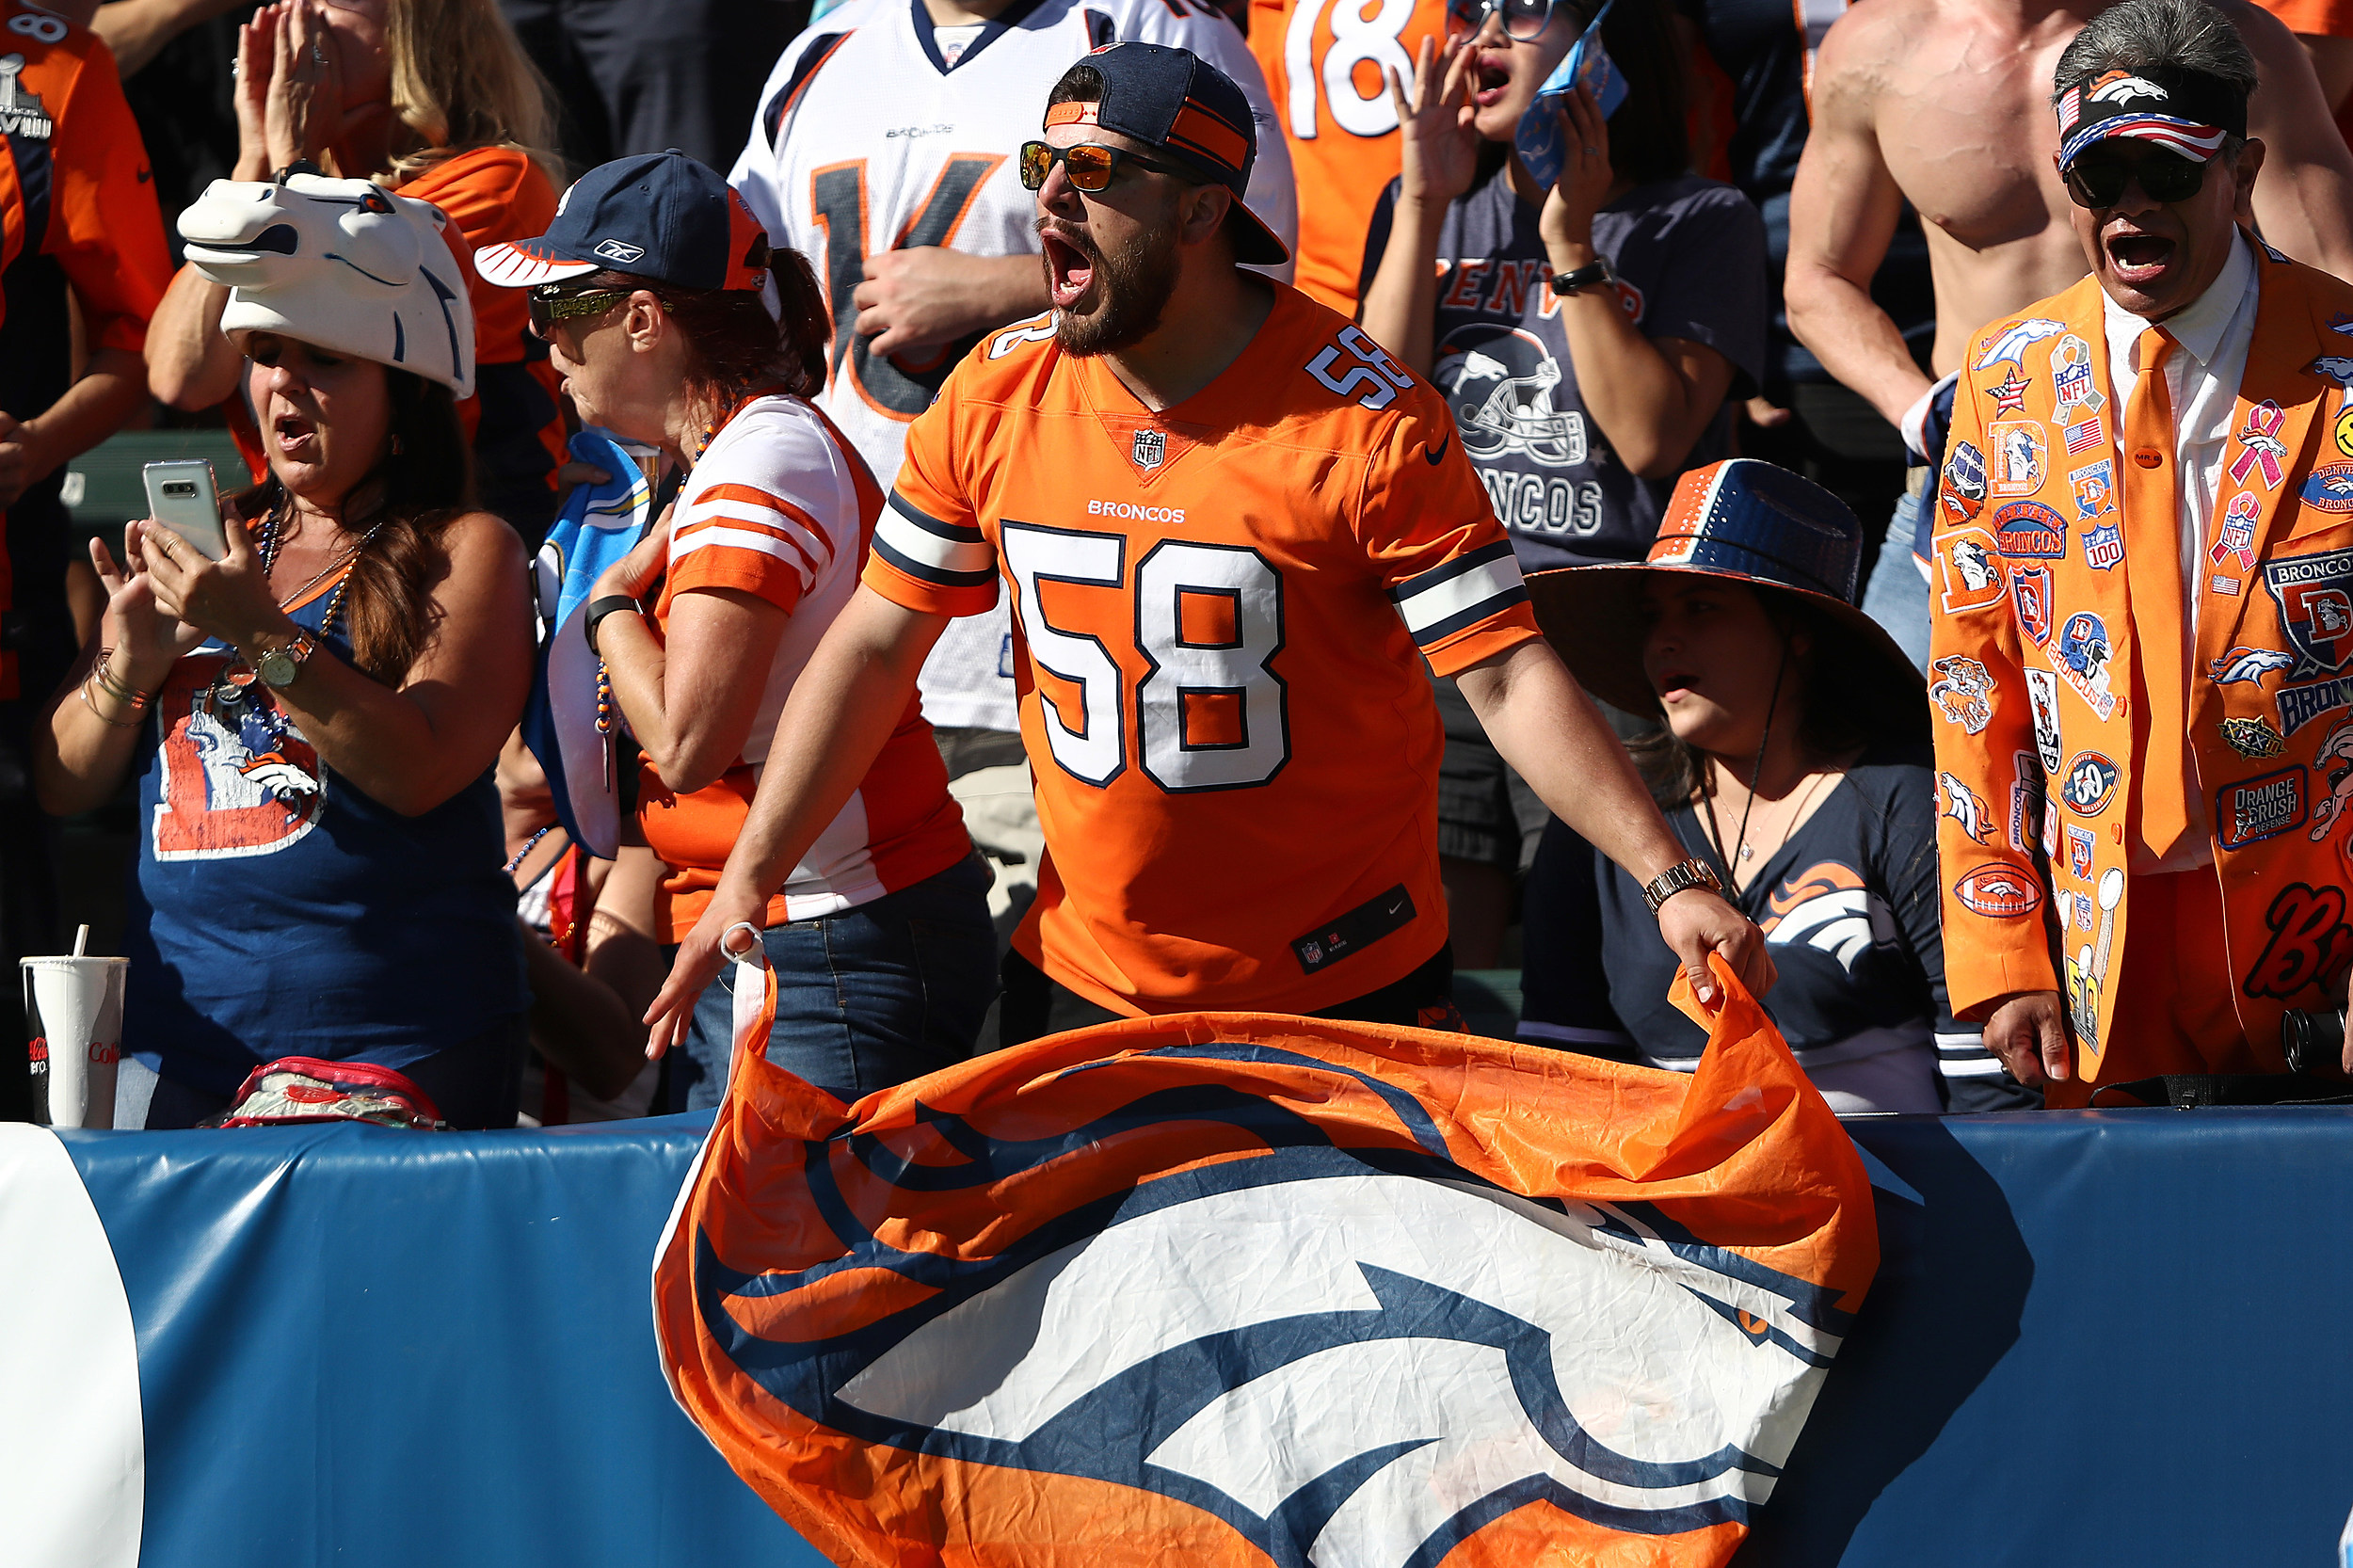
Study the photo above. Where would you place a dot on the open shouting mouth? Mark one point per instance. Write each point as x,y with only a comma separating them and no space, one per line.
1070,263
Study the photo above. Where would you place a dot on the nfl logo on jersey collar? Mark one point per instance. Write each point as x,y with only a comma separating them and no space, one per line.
1149,450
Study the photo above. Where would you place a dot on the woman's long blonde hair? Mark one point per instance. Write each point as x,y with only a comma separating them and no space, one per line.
460,80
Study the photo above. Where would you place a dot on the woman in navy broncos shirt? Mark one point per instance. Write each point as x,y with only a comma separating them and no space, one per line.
1585,326
1791,754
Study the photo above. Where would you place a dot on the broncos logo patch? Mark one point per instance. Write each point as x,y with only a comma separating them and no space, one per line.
1238,1289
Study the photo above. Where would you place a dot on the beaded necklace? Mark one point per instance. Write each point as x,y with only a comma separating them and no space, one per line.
270,539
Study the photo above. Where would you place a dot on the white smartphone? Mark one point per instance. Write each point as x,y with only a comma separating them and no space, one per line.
182,497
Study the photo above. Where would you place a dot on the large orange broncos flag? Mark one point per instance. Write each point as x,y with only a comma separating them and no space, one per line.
1232,1288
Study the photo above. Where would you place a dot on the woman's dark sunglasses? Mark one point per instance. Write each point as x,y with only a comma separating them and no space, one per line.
554,302
2093,180
1090,168
1523,20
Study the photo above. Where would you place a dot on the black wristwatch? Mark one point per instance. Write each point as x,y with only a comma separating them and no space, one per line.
1596,274
610,604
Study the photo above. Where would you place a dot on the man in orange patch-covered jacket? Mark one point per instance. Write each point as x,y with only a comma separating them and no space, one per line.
2142,649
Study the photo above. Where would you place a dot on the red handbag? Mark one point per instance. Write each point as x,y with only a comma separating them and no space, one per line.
305,1089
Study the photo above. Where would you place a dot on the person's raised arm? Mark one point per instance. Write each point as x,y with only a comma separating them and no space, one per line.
843,709
1842,212
190,366
1651,397
1440,157
408,749
137,30
1549,731
2304,197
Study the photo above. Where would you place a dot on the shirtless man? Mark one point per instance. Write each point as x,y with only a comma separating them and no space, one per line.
1946,104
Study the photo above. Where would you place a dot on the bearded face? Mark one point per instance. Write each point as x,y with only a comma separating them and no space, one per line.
1125,286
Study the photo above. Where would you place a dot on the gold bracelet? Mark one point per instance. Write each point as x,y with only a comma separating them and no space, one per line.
114,686
81,690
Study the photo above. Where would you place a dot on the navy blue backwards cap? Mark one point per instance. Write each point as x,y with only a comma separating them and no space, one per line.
662,215
1192,112
1752,523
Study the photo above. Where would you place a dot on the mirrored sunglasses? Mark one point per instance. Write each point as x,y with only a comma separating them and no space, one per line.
554,302
1088,166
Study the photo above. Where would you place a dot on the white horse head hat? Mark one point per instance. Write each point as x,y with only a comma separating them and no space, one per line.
341,263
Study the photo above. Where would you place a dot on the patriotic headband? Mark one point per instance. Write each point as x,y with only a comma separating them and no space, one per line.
2189,113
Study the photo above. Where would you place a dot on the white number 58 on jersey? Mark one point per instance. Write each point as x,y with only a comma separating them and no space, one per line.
1372,372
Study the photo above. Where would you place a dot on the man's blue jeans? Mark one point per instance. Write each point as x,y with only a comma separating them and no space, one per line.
1897,596
866,999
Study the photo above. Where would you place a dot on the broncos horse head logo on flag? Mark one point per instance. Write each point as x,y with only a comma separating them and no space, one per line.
1228,1288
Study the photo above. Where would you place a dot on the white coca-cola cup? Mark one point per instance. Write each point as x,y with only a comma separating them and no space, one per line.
80,1005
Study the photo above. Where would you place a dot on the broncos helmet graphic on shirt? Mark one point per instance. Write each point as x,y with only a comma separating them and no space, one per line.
1240,1290
1499,382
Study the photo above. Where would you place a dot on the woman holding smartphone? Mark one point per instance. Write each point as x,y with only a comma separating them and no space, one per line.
314,717
1585,328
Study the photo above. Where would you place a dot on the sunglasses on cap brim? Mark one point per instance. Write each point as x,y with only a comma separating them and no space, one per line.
2097,181
1089,166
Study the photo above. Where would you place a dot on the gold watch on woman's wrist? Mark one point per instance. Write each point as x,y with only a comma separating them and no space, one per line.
279,667
1681,877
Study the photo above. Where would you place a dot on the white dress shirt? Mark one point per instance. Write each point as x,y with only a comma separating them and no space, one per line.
2201,376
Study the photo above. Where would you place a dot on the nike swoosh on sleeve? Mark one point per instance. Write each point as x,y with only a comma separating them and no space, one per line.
1438,452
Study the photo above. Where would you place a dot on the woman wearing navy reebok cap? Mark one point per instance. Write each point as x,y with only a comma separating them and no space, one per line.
318,832
1789,751
647,288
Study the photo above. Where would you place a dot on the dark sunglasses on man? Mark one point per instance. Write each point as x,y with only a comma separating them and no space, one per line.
2097,180
1089,166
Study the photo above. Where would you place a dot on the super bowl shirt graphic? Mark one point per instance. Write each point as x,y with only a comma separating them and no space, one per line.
1244,1290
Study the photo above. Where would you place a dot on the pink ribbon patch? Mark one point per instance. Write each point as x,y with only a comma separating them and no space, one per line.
2261,446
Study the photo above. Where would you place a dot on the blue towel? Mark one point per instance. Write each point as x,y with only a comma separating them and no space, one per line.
598,525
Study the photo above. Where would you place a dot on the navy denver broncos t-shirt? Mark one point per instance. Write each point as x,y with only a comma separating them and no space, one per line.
1849,906
1690,257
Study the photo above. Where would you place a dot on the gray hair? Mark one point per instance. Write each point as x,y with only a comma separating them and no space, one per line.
2139,35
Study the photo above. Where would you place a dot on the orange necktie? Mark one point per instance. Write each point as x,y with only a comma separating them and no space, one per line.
2152,562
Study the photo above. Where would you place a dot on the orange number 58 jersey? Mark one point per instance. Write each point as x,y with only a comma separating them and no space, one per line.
1222,613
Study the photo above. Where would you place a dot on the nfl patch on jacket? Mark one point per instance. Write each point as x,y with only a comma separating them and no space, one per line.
1232,1288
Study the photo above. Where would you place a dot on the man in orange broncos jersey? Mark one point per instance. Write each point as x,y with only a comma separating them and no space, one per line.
1230,522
